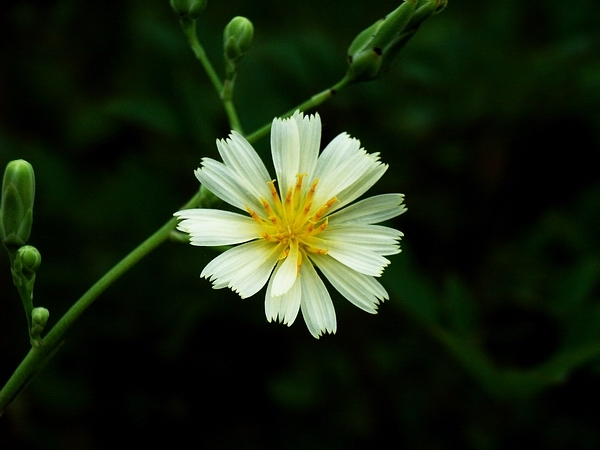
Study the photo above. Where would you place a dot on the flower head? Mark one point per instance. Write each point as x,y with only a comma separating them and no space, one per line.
296,222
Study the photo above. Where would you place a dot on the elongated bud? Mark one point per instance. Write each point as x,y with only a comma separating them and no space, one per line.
372,52
237,38
188,8
16,207
39,318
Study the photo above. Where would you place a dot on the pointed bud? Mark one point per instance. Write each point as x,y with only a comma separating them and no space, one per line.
237,38
188,8
374,49
16,207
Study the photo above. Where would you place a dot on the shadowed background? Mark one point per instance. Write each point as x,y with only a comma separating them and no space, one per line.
489,121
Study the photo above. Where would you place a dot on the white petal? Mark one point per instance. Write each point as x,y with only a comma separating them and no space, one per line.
227,185
309,131
339,155
245,268
343,169
284,307
287,272
358,258
285,147
317,308
216,227
375,238
362,290
370,210
361,185
241,158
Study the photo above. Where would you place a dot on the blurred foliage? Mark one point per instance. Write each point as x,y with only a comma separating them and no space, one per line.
490,122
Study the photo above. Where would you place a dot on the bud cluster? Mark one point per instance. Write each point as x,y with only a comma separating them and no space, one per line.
375,48
16,218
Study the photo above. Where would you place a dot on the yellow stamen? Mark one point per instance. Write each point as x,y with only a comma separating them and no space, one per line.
274,194
255,216
324,208
290,223
298,262
317,250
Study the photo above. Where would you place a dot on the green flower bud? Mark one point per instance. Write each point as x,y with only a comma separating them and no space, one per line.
25,265
16,207
39,318
188,8
374,49
237,38
30,259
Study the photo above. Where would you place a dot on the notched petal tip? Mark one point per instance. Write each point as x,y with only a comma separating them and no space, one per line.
322,333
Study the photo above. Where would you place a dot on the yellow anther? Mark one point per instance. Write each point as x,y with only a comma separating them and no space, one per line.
313,188
254,216
317,250
299,262
299,180
274,194
322,226
324,208
289,223
268,208
307,206
266,236
288,197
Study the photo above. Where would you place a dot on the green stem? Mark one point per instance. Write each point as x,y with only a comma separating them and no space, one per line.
38,356
234,121
312,102
189,29
27,302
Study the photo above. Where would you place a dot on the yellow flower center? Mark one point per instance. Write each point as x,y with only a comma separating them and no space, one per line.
293,223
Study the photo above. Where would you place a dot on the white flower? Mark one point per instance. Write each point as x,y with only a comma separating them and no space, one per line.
297,222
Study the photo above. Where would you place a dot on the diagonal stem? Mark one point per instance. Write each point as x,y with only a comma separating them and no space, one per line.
39,356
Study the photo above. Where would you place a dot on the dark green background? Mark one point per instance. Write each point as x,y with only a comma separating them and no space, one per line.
490,123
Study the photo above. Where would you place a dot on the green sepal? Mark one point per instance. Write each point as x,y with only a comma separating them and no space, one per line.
393,24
